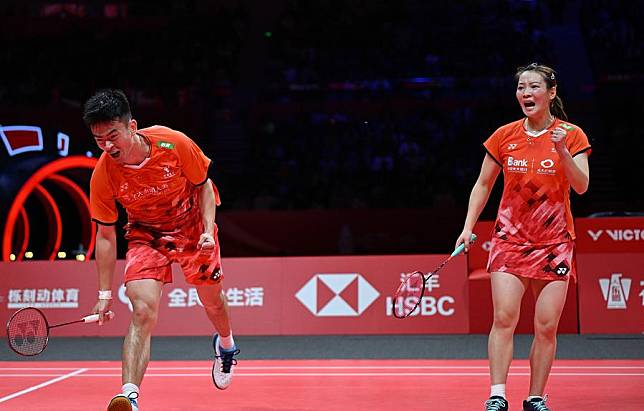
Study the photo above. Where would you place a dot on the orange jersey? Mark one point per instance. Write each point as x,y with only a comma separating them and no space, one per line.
535,206
161,191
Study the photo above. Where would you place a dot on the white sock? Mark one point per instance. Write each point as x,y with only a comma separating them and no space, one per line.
226,342
535,396
497,390
130,388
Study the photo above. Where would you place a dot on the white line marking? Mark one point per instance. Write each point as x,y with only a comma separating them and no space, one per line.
342,374
343,367
44,384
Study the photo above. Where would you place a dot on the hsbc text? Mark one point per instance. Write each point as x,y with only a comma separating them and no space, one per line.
428,306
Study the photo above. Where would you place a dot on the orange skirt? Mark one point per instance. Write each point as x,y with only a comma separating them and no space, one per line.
540,262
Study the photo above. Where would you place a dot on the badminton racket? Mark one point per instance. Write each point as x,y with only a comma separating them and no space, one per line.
412,286
28,330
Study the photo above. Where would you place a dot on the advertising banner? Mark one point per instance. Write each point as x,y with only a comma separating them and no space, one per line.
266,296
478,254
610,235
611,293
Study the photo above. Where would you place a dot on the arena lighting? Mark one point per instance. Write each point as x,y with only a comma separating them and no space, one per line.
62,254
25,233
29,254
46,172
54,219
12,257
80,257
88,229
28,138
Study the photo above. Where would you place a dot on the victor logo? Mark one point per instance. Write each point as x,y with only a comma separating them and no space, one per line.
337,295
595,234
625,234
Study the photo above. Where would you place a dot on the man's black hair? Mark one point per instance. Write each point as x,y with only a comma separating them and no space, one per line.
106,105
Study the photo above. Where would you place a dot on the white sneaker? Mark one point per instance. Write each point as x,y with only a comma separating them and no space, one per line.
122,402
222,368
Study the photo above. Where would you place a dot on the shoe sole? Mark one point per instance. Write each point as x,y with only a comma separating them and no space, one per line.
119,404
213,378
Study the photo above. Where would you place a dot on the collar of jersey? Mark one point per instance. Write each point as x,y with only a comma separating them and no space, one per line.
137,166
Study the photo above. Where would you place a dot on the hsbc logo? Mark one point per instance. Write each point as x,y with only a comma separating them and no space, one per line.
618,234
337,295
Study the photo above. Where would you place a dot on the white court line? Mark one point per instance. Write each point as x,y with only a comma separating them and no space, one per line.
345,374
346,367
44,384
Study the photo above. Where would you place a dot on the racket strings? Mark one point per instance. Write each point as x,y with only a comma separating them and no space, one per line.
27,332
409,294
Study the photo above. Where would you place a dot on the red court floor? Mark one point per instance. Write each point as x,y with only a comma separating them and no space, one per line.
330,385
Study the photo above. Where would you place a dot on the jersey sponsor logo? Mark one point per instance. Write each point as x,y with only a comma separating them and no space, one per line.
517,165
547,163
337,295
625,234
546,167
615,291
512,146
567,126
165,144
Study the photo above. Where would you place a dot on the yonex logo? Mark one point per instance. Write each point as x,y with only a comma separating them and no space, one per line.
562,270
512,146
337,295
615,291
547,163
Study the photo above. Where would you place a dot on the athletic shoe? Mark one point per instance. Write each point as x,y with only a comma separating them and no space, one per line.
122,402
535,404
222,368
496,403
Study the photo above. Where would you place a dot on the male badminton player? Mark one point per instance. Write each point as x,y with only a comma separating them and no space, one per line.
542,156
160,177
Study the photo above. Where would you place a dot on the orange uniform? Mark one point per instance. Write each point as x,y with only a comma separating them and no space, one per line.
534,227
161,198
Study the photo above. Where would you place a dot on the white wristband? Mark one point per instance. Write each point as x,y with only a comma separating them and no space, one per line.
104,294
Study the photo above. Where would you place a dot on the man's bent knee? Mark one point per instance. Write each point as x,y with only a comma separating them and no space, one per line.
144,314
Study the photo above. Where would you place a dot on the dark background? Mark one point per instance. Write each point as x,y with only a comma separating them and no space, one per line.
324,113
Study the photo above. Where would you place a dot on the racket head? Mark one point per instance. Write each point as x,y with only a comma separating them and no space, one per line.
28,332
409,294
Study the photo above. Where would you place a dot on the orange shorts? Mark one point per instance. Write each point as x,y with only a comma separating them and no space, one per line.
152,251
540,262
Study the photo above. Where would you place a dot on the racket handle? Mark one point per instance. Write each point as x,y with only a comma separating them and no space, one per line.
461,246
94,317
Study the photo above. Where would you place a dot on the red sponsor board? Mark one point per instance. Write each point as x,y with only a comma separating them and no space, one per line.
267,296
352,295
478,254
611,293
610,235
